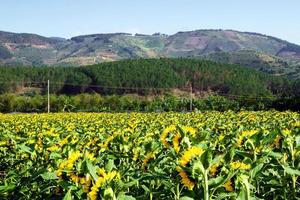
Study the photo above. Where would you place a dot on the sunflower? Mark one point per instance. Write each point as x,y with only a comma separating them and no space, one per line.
185,180
90,156
64,141
147,158
213,170
53,148
190,130
240,141
105,144
240,165
165,134
244,134
297,124
228,186
221,137
73,157
68,164
190,154
277,141
103,179
75,178
176,142
94,190
249,133
286,132
3,143
101,172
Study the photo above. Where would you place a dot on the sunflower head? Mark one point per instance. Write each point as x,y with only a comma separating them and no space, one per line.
90,156
185,180
176,142
165,134
277,141
249,133
228,186
147,158
190,130
240,165
286,132
189,155
214,169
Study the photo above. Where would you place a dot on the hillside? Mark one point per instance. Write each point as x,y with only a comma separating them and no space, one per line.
274,65
250,49
146,76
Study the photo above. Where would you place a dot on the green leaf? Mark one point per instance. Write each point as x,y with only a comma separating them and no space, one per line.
182,133
186,198
55,155
128,184
6,188
201,136
297,139
167,183
206,158
291,171
230,155
68,196
244,154
110,165
275,155
242,195
225,195
92,170
198,169
125,197
216,160
109,193
216,181
245,192
49,176
255,170
25,149
146,188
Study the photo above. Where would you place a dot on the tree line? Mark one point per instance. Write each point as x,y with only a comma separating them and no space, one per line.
10,103
147,77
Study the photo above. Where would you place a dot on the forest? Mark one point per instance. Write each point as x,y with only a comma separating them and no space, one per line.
154,77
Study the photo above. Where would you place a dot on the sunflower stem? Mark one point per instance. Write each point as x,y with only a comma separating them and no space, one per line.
177,197
246,187
205,185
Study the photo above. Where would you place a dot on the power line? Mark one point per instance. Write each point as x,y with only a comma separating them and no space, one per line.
93,86
137,88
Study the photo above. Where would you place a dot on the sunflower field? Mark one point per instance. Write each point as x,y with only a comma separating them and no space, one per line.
127,156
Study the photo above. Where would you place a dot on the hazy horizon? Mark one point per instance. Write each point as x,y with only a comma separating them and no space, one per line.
66,19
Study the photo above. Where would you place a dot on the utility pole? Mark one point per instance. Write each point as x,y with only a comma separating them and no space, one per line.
48,107
191,97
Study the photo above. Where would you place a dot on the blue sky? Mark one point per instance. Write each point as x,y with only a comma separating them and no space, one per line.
67,18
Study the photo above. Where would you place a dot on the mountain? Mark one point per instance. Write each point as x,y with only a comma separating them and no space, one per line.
27,49
255,50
